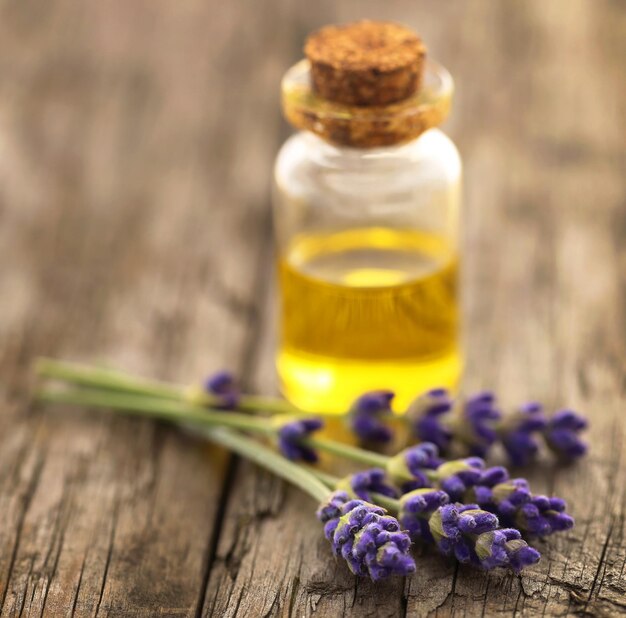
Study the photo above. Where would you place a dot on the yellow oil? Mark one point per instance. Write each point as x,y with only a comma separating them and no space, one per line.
363,309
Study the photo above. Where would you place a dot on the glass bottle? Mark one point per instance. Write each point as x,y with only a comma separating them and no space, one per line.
366,221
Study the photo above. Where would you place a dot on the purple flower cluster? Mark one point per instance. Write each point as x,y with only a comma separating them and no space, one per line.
468,480
473,536
416,509
368,414
367,482
561,434
476,424
412,467
425,415
370,541
223,386
291,435
516,505
518,430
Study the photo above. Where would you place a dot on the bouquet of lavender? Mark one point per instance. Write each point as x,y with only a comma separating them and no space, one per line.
372,517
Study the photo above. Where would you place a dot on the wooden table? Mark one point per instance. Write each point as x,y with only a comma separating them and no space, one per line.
136,147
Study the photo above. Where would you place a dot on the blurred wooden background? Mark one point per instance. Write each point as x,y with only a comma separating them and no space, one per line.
136,146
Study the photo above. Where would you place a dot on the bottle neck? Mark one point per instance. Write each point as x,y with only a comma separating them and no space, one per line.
366,127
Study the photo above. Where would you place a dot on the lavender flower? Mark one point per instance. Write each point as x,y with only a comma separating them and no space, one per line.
291,435
561,435
475,426
473,536
433,419
410,467
370,541
426,415
456,476
222,384
505,547
543,516
363,484
367,415
416,509
517,430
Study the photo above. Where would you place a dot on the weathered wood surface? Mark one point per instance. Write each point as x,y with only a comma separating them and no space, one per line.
136,144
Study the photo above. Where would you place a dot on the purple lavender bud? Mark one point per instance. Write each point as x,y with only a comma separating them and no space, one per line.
456,476
424,455
330,527
367,482
369,541
493,476
411,467
331,509
561,435
505,548
491,550
416,508
476,521
476,426
223,385
507,499
367,415
543,516
427,416
291,434
517,433
521,555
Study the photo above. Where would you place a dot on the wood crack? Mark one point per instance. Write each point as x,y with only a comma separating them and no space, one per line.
78,585
26,502
109,556
601,561
211,553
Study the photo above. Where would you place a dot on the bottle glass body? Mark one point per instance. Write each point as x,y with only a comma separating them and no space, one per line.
368,265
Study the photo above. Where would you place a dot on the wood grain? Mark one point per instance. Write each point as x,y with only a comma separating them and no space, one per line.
136,145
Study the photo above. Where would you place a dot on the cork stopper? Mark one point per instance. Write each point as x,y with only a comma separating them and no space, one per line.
366,63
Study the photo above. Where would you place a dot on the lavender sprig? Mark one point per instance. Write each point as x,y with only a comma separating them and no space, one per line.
466,532
472,536
476,424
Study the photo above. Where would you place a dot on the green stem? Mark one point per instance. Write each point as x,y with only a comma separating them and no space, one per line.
84,375
210,421
349,452
110,379
268,459
329,480
157,408
179,412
